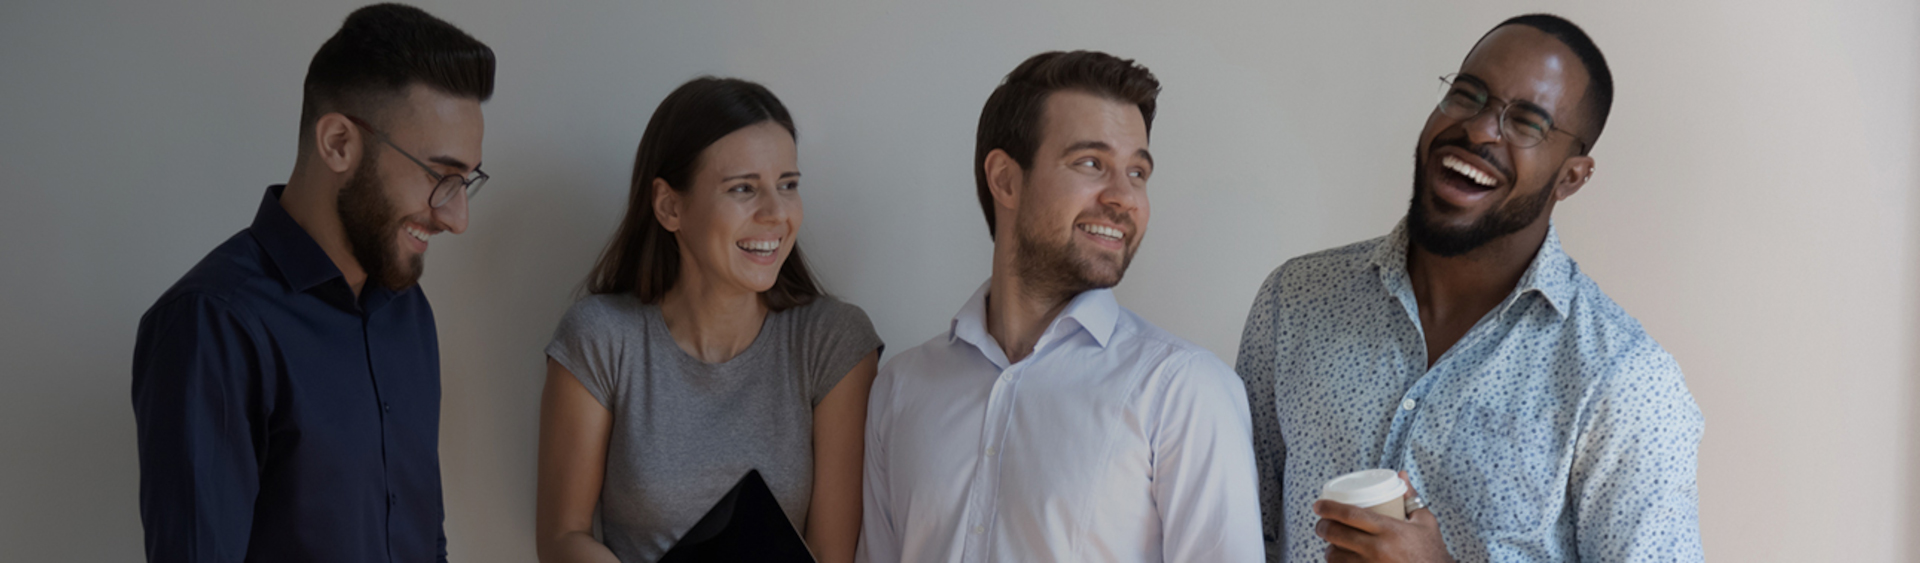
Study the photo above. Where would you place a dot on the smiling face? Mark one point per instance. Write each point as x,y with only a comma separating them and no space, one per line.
1472,183
384,206
1083,205
736,222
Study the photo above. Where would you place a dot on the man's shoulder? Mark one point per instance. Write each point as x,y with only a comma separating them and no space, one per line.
932,354
229,276
1619,360
1189,363
1318,269
1604,329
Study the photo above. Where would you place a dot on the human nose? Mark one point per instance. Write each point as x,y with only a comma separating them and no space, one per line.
775,209
1121,194
452,216
1484,127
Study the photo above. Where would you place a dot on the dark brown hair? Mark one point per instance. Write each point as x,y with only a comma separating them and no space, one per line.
382,49
1014,113
644,257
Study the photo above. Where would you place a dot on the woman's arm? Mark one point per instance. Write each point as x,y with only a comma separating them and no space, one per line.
573,460
839,442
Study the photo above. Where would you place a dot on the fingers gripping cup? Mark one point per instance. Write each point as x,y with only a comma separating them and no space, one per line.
1378,490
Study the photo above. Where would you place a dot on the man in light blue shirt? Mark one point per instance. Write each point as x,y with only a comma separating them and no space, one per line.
1048,423
1535,418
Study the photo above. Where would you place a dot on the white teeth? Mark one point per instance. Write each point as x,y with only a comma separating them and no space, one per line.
416,233
1103,231
760,246
1467,170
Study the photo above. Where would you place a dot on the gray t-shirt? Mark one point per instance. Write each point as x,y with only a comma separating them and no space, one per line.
684,431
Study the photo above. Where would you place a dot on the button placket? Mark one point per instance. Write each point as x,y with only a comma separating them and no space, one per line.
981,503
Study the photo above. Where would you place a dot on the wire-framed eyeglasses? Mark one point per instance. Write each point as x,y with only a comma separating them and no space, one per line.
1521,123
445,186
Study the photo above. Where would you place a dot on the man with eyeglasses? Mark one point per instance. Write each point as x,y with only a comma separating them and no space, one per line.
1534,419
287,388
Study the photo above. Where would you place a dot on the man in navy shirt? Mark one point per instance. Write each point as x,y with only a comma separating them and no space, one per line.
287,389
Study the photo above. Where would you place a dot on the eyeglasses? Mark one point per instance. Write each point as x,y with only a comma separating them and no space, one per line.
1521,123
445,186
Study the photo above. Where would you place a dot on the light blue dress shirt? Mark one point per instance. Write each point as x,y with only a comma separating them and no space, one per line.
1554,430
1113,441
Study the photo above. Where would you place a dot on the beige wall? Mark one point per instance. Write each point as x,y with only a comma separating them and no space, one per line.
1755,207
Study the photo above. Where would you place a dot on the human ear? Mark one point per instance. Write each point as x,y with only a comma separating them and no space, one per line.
666,205
1573,175
338,142
1004,177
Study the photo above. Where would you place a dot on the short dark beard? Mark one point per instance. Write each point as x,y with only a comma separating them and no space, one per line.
371,225
1445,242
1055,271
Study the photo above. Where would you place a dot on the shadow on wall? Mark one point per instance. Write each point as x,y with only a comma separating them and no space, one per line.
1913,383
1913,331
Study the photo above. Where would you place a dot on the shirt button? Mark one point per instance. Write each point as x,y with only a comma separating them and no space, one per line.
1408,404
989,452
387,407
977,530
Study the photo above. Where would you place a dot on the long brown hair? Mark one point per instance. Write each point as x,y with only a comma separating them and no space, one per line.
644,258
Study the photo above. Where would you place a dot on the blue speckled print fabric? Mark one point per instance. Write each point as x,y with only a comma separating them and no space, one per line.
1555,430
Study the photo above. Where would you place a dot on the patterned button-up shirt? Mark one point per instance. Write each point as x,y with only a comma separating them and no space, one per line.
1554,430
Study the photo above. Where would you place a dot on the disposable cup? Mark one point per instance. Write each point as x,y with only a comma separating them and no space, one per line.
1378,490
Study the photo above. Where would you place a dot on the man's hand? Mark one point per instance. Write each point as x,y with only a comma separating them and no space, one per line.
1361,535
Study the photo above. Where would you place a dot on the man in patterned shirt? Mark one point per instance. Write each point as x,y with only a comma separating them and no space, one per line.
1467,350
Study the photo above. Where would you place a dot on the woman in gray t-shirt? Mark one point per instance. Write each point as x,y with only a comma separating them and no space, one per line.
705,350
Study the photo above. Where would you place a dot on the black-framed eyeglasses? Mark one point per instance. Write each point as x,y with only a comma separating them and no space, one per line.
1521,123
445,186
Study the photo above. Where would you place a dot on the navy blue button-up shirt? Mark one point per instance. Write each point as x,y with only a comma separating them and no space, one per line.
282,419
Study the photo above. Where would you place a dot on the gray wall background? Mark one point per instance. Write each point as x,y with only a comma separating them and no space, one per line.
1755,207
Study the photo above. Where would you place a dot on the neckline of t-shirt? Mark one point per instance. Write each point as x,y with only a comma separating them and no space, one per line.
659,321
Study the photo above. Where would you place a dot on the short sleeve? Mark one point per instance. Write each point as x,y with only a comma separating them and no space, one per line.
834,337
587,343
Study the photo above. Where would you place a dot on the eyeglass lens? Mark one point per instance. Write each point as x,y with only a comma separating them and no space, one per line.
1522,125
451,185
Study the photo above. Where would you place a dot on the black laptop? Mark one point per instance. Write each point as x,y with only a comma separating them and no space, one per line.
746,526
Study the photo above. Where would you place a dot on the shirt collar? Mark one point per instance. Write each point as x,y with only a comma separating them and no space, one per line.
303,265
1550,274
1095,311
301,261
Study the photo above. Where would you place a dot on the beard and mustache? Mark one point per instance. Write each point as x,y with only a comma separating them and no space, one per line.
1426,231
372,225
1057,270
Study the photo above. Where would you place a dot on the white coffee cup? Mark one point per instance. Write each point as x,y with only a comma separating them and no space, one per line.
1378,490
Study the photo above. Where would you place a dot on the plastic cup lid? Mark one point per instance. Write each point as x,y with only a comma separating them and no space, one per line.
1365,488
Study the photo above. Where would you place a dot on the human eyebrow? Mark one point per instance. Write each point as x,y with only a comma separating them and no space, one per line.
785,175
1470,79
1142,153
1086,145
1534,108
747,176
449,161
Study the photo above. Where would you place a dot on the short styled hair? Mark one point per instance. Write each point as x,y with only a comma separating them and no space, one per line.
1597,102
379,52
1012,119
